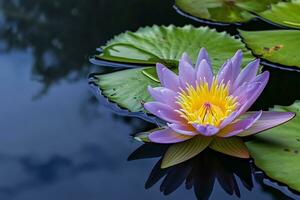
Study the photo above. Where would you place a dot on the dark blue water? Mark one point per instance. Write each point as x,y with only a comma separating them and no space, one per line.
56,140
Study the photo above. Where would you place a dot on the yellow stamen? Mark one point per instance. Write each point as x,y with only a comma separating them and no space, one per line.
206,105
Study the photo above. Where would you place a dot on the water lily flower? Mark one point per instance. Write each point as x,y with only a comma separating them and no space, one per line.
206,110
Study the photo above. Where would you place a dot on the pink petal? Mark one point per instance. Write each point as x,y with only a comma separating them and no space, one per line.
167,136
268,120
240,126
163,111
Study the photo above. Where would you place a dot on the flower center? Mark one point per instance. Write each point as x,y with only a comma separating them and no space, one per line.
206,105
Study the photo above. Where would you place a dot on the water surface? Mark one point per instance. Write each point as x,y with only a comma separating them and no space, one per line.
57,140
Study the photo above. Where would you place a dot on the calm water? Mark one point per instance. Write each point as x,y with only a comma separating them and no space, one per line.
56,140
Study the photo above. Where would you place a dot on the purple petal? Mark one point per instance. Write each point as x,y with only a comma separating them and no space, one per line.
167,136
183,129
159,69
236,61
263,77
268,120
263,80
248,73
167,78
164,95
245,92
231,69
206,130
229,119
185,58
203,55
186,74
163,111
226,73
204,72
240,126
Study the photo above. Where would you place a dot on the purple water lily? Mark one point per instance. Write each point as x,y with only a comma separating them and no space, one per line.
198,103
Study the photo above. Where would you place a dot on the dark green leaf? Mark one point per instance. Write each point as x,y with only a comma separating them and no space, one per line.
284,13
163,44
228,11
127,88
277,151
278,46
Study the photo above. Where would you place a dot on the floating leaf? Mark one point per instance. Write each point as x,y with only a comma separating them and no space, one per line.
231,146
183,151
228,11
278,46
277,151
127,53
284,13
162,44
127,88
142,137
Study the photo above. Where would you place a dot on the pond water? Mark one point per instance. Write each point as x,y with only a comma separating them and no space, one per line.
59,142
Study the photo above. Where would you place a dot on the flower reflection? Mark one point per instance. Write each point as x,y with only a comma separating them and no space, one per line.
199,173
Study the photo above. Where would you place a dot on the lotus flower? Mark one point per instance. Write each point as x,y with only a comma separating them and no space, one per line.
206,110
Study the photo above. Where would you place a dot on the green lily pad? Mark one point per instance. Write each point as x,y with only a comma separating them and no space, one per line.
277,151
165,45
115,52
127,88
228,11
277,46
284,13
150,45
